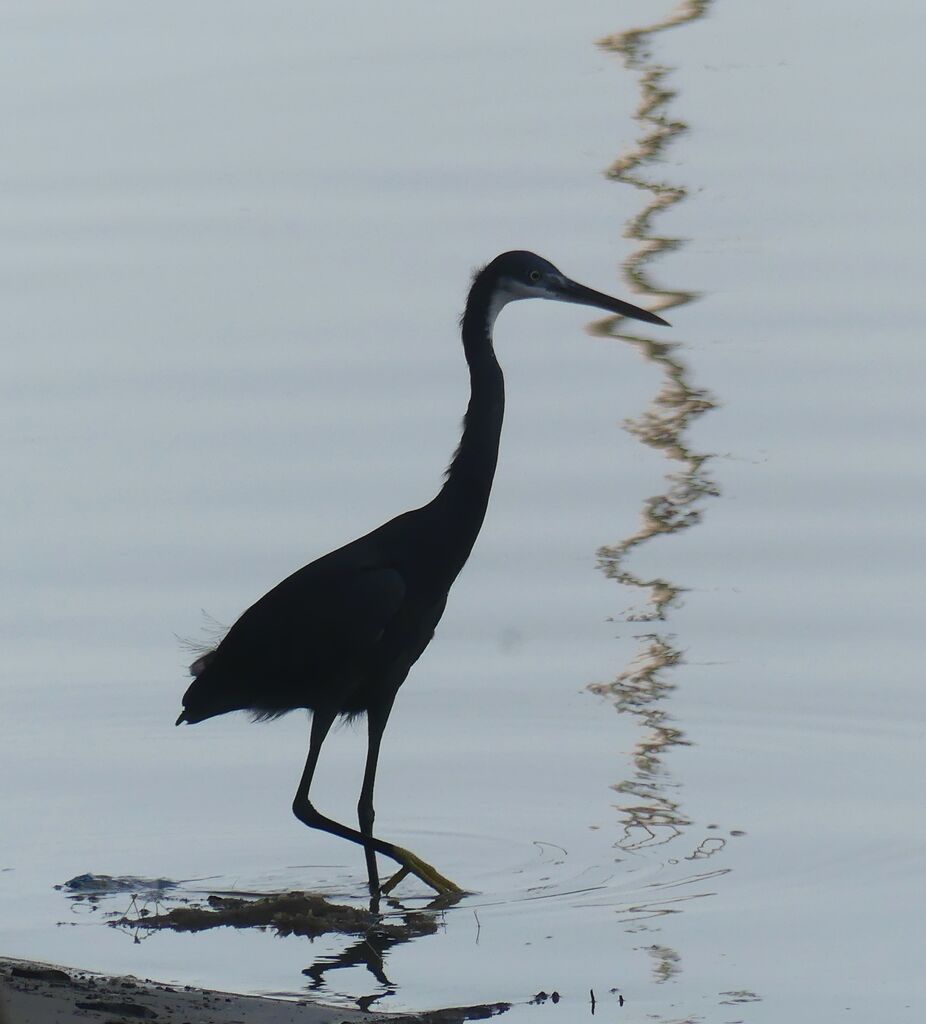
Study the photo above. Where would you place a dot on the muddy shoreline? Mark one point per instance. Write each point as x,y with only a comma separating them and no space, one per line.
38,993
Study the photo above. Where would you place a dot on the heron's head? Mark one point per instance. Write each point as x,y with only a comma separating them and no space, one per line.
524,275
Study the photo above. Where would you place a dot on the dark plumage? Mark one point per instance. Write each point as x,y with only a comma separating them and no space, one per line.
339,636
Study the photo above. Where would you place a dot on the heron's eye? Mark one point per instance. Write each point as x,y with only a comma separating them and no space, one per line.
535,275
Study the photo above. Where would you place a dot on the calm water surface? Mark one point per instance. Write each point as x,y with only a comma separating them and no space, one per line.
671,727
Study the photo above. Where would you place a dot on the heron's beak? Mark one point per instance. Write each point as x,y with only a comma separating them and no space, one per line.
572,291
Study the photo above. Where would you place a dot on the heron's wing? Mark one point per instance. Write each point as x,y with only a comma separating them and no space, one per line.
316,621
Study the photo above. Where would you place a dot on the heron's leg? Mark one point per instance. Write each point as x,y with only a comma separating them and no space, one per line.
321,724
308,815
377,717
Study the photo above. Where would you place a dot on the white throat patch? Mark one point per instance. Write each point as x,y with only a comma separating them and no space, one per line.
510,292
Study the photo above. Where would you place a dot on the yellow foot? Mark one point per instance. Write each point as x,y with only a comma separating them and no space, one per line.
412,865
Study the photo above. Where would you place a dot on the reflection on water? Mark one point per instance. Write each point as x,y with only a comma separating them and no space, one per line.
640,690
663,425
651,810
155,906
665,962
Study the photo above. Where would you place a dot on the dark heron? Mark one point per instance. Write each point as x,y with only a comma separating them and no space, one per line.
339,636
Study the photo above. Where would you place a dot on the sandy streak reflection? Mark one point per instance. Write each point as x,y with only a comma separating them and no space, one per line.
650,807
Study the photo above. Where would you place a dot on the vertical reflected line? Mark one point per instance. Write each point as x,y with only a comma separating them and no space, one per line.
651,812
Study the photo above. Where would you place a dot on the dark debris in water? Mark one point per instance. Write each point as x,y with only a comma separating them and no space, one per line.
739,996
290,913
620,998
104,884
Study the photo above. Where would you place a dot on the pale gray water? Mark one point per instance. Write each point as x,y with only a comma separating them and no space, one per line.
235,242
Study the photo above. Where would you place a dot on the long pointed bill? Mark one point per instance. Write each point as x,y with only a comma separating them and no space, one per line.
572,291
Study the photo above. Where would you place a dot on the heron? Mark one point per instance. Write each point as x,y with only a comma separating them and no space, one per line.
339,636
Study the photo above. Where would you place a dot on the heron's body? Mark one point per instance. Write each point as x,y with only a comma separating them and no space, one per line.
340,635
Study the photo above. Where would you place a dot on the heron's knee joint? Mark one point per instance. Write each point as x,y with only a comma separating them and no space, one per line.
304,811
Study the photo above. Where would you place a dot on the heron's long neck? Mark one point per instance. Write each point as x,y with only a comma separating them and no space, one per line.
470,475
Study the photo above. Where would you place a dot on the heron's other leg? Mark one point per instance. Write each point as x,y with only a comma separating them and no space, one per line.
377,716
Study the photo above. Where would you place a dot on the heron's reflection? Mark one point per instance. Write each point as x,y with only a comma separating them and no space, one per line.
374,931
